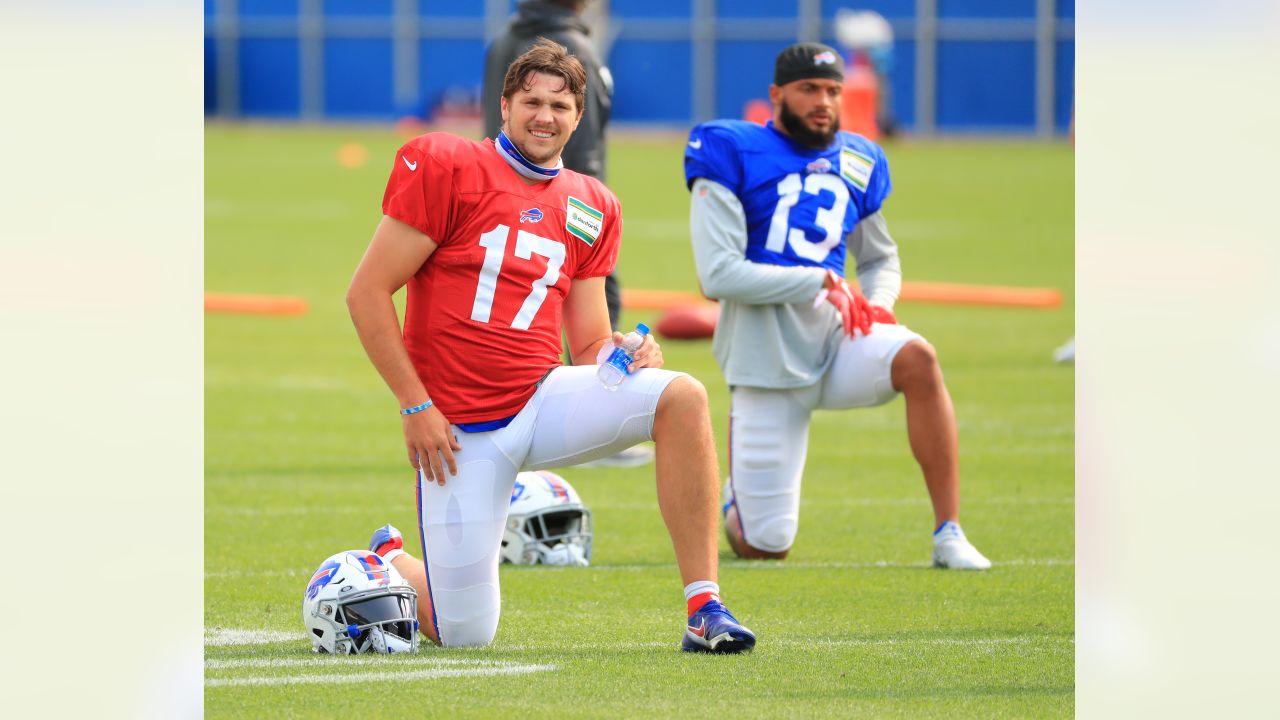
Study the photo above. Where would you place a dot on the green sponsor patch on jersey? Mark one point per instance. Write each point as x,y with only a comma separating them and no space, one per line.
856,167
584,222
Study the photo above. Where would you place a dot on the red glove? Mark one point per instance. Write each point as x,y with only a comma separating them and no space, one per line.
883,315
854,311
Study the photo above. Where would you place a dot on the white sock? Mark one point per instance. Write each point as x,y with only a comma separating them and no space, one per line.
948,530
699,587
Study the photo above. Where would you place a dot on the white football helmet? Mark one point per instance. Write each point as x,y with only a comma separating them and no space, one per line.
547,523
356,602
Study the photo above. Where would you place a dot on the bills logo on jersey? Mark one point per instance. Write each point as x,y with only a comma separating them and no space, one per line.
826,57
532,215
322,577
820,165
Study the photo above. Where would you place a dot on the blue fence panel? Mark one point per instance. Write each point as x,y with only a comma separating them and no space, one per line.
745,69
268,8
987,9
358,8
269,77
451,8
1064,84
1065,9
650,8
891,9
902,81
210,76
986,85
450,67
210,8
651,81
358,77
758,9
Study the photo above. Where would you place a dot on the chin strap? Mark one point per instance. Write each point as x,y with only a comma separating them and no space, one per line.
521,164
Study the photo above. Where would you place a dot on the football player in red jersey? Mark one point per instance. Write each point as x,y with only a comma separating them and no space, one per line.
498,246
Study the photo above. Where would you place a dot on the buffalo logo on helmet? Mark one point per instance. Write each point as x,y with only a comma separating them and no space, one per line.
322,577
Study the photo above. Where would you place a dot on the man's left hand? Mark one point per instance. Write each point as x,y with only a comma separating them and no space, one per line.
883,315
648,356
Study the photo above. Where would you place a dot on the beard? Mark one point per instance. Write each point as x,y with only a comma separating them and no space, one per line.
803,134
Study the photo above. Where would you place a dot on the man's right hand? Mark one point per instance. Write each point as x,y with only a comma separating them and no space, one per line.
855,312
431,444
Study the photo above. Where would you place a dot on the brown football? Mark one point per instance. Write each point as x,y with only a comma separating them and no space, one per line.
689,322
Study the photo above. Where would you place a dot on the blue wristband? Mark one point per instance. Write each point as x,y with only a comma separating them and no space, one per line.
416,408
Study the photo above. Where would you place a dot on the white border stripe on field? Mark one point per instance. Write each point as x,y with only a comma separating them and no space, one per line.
378,661
730,565
423,674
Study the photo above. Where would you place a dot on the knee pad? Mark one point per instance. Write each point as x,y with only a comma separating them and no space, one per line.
773,535
467,617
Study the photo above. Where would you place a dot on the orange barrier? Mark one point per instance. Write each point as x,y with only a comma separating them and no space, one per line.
859,99
947,293
954,294
254,304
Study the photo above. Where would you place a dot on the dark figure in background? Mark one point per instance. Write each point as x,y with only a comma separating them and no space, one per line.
560,21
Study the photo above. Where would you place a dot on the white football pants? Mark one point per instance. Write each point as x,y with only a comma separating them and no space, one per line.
571,419
769,432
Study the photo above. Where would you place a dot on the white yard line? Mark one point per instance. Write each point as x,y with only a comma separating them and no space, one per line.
218,637
346,661
424,674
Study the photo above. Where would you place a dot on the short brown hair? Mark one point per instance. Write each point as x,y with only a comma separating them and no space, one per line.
553,59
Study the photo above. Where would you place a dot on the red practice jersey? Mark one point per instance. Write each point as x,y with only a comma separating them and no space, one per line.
482,323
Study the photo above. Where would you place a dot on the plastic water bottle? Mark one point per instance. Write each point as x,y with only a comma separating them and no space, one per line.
614,369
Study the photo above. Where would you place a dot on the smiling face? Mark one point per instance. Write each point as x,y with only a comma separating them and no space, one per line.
808,110
540,116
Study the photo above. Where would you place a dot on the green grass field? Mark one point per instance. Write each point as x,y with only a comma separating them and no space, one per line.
303,458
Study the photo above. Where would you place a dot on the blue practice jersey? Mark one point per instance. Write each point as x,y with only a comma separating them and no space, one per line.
800,203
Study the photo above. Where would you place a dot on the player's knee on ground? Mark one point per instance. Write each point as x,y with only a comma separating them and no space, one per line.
776,541
916,365
471,619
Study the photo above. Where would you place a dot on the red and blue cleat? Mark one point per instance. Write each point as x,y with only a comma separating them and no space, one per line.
385,539
713,629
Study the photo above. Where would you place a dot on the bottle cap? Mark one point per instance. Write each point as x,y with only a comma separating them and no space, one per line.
642,328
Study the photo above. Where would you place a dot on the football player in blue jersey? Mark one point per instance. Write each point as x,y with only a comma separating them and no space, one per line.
774,210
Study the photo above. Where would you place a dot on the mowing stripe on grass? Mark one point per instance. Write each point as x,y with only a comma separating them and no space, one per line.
424,674
811,642
743,564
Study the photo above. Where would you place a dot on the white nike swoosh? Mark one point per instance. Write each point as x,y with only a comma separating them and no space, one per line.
696,144
411,165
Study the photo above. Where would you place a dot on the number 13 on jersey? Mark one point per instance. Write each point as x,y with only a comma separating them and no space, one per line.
829,219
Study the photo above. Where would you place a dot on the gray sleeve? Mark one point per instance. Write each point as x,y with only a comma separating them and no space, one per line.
719,229
879,270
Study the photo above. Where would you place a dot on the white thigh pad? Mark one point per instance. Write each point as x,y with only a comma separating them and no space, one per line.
861,375
578,419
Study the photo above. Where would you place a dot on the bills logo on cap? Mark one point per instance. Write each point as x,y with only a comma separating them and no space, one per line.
532,215
820,165
826,57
